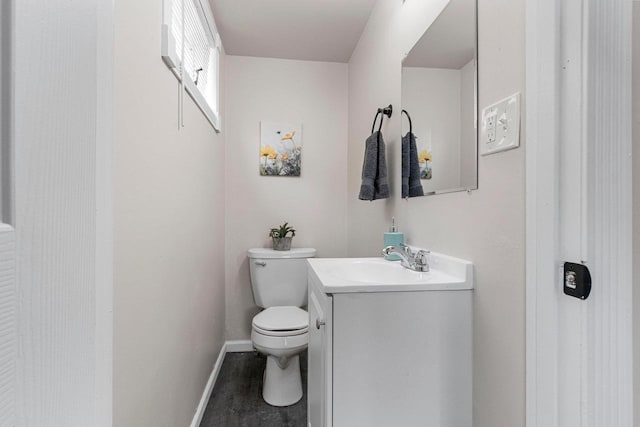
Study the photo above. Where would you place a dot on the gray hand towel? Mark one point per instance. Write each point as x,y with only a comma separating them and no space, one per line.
411,186
405,166
375,184
382,182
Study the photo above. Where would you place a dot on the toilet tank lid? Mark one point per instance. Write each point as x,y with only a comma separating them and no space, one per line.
271,253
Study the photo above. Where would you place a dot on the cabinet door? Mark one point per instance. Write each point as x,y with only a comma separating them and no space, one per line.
319,374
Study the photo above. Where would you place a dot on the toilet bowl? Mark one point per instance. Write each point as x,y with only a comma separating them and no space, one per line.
281,330
281,333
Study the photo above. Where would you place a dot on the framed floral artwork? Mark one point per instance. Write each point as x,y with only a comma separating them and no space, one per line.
280,149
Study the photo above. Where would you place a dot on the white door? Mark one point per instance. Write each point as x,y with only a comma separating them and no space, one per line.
579,367
8,292
55,178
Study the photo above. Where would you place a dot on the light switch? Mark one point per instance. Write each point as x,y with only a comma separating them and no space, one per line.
500,128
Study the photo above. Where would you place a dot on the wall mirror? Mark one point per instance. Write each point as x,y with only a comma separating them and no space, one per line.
439,103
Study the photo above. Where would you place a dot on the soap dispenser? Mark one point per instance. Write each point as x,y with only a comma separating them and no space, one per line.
393,238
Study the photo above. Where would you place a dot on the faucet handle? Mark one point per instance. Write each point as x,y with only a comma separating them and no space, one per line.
406,249
422,260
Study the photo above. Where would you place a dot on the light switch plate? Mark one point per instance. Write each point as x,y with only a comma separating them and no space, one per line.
500,127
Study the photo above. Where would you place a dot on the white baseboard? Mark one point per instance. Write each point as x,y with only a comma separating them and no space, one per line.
228,347
239,346
197,417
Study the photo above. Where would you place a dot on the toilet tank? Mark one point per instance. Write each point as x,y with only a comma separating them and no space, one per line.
279,277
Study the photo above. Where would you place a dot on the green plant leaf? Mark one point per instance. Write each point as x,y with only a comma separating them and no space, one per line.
282,231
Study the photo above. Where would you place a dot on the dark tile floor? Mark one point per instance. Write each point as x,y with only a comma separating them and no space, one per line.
236,399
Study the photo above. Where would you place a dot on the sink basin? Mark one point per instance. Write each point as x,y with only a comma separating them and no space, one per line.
375,270
339,275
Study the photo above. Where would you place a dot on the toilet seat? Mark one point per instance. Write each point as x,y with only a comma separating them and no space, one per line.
281,333
282,321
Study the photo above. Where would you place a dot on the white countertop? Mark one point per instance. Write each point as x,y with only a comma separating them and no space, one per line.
349,275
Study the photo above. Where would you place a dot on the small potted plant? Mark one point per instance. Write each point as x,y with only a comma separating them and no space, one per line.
280,238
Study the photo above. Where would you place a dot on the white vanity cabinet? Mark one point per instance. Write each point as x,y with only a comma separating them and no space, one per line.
385,356
319,358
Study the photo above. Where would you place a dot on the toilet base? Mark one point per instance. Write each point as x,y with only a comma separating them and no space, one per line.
282,387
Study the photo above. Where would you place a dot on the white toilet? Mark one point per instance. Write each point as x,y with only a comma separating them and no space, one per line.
280,331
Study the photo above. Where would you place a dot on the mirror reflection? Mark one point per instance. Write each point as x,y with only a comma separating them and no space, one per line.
439,93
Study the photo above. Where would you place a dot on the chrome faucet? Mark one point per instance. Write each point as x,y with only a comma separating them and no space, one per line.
417,261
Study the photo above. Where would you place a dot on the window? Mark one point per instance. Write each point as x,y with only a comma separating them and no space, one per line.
198,64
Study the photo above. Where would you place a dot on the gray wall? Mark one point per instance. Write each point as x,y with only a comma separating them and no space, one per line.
169,303
486,226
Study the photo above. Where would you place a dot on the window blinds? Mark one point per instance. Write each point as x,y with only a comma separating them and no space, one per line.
201,51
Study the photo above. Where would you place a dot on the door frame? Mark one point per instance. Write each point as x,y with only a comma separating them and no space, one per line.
604,120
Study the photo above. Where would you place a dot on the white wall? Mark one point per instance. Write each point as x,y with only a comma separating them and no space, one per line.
432,97
311,93
168,230
59,211
636,210
486,227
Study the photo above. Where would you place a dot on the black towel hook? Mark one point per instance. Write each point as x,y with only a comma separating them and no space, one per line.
408,117
373,126
386,111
